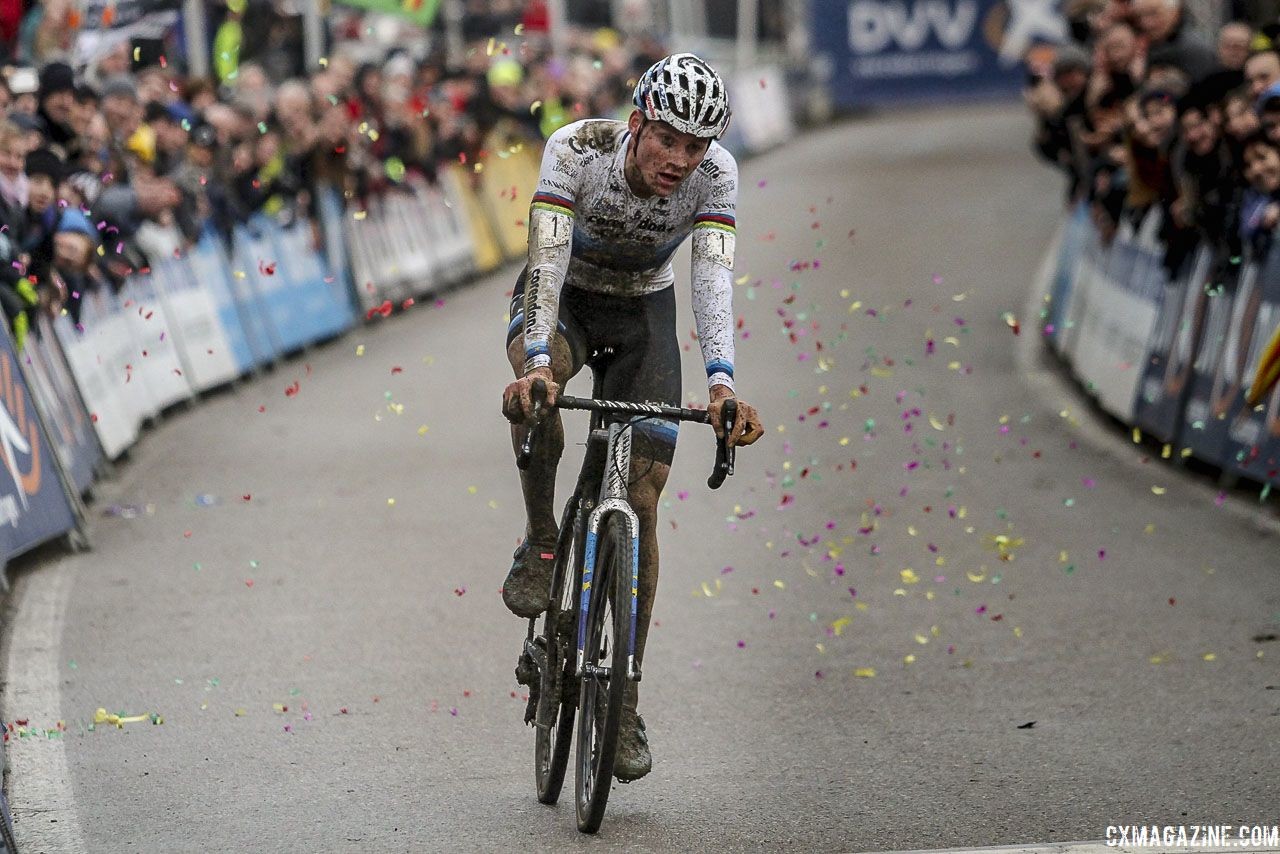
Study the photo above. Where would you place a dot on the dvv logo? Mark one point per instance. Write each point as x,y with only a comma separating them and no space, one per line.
19,433
876,25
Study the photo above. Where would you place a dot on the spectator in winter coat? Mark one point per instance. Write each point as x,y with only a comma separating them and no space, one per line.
1260,209
1204,172
1170,40
57,102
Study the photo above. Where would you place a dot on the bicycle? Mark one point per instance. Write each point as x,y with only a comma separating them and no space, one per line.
597,565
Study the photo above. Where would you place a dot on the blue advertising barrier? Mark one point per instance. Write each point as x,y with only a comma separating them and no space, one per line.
320,306
881,51
54,388
254,263
34,508
211,274
1075,234
330,209
250,304
203,329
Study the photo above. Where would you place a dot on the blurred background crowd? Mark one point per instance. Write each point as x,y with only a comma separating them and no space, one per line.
1146,109
107,153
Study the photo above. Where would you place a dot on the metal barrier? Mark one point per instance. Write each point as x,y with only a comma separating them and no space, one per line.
1171,356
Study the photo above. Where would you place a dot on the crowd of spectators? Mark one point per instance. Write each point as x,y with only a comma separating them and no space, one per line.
1142,112
99,163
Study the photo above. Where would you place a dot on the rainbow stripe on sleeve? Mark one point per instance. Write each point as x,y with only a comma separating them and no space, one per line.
552,202
723,222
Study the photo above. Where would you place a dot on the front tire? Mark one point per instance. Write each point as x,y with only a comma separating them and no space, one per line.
600,700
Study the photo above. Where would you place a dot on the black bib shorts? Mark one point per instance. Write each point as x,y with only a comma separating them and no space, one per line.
630,344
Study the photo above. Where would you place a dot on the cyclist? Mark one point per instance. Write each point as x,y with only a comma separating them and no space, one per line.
614,202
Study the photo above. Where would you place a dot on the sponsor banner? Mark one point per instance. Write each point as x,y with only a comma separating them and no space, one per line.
54,388
114,421
205,350
884,51
155,364
33,506
212,276
1116,324
374,263
1076,235
114,14
449,232
1252,447
1080,278
321,306
251,305
257,261
105,331
1217,371
413,257
105,24
1168,371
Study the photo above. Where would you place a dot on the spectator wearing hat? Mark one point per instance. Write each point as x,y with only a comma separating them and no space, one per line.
169,123
1267,108
73,272
45,171
57,100
203,183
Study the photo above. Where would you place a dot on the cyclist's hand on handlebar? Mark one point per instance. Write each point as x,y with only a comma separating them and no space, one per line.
517,400
746,427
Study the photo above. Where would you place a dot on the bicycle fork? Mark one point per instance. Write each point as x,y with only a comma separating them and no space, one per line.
595,524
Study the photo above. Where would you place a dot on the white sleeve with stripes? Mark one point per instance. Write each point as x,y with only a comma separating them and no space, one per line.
550,243
714,235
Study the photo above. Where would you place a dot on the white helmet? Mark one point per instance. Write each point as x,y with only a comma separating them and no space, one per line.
686,93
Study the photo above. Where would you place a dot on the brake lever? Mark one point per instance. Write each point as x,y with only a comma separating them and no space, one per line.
539,394
724,454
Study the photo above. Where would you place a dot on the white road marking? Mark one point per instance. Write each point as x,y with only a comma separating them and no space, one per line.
39,783
1088,848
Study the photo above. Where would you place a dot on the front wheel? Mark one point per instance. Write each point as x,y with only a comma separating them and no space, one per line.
604,682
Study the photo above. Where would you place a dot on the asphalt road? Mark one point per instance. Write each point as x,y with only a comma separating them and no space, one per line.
936,606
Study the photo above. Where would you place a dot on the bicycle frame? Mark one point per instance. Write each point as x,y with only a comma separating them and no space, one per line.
613,499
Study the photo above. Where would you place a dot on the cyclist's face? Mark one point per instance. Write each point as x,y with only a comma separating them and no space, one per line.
664,157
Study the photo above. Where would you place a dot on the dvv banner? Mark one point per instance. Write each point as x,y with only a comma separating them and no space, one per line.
881,51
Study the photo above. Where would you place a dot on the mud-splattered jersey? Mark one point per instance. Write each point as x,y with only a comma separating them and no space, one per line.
586,225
